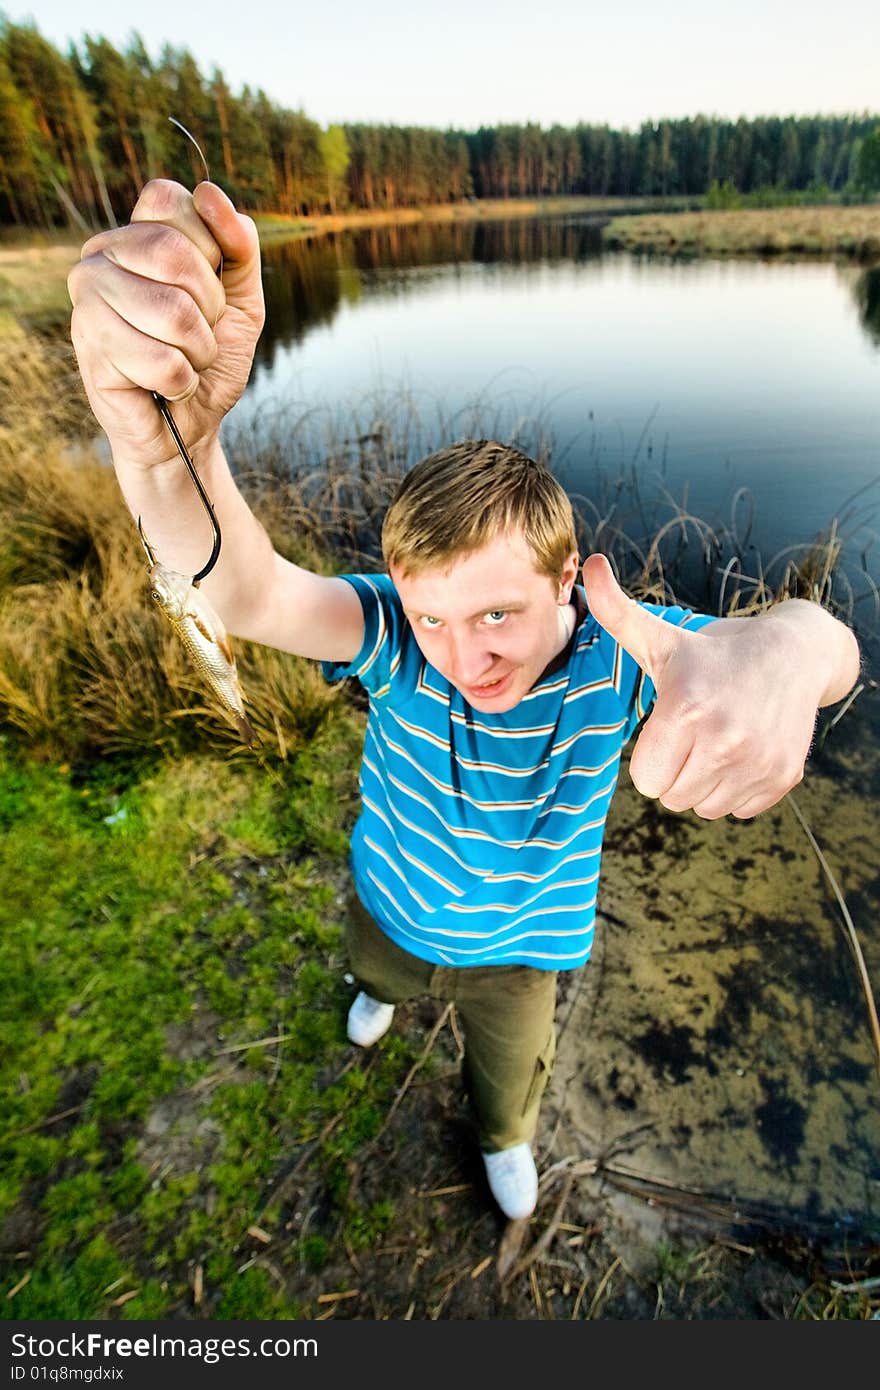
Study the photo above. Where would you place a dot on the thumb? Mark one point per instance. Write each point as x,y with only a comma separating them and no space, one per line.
649,641
236,235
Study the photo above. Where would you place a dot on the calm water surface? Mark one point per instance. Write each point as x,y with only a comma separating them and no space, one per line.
708,376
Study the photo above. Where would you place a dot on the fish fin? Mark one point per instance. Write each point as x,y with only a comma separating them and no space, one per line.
218,639
226,648
202,626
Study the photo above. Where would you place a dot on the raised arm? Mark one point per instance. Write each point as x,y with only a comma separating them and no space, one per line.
736,702
150,314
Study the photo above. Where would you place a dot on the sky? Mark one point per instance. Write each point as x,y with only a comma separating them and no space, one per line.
463,63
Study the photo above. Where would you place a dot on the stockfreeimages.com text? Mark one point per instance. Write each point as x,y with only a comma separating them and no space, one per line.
211,1350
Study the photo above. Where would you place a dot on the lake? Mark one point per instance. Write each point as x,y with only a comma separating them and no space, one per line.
702,377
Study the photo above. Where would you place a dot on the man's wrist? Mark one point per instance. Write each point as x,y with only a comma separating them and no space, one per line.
822,643
164,497
136,461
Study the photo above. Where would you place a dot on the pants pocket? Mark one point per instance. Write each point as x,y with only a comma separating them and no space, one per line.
541,1073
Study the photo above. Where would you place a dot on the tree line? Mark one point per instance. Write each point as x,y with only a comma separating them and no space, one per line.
82,131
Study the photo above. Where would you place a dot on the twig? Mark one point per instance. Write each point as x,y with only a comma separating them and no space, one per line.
41,1124
124,1298
858,1286
444,1297
544,1241
25,1279
728,1211
213,1078
508,1250
850,927
416,1066
580,1294
601,1289
310,1147
300,1163
277,1065
578,1167
456,1033
259,1042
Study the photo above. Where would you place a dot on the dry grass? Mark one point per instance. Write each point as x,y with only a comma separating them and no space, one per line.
87,666
326,480
33,283
845,231
856,1299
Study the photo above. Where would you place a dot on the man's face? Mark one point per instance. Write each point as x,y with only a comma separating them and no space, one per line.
490,623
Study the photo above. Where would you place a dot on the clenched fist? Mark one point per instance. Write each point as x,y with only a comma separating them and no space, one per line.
150,313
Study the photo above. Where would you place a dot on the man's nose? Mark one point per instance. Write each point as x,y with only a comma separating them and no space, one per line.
471,658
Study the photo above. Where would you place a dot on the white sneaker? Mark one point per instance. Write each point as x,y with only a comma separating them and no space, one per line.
513,1179
368,1019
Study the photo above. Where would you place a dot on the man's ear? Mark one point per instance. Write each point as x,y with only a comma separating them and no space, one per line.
567,578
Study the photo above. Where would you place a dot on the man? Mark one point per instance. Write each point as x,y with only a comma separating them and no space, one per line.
501,694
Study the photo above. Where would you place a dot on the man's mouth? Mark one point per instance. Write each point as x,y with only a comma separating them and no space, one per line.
488,689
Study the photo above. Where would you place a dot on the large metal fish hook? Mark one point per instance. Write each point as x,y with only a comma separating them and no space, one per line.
203,496
165,411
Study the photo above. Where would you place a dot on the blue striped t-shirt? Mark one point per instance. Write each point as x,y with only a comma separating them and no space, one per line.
480,835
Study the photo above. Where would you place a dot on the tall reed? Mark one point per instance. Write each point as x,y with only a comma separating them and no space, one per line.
89,669
87,666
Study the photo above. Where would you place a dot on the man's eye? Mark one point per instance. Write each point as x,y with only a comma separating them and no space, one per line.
495,617
427,621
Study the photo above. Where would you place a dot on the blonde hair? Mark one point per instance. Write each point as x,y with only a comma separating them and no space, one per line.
458,499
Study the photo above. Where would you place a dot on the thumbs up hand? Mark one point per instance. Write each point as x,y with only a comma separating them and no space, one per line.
736,703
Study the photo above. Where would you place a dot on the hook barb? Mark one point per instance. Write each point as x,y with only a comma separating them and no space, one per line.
151,559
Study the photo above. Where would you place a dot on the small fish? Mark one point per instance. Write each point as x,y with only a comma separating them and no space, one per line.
203,635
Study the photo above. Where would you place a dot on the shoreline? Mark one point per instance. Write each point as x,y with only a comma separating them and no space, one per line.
277,225
33,273
678,224
18,243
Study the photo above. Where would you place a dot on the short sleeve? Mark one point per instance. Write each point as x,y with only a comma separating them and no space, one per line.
633,685
384,623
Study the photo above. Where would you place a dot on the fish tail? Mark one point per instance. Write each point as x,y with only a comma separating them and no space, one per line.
246,731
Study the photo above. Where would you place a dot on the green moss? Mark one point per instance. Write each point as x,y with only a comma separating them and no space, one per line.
150,1303
314,1251
147,961
78,1287
363,1229
252,1295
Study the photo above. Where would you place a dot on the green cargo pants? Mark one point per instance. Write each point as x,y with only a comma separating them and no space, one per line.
506,1012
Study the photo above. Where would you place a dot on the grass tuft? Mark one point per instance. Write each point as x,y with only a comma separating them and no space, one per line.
851,232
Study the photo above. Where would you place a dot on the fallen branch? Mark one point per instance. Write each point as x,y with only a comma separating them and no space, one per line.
737,1214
